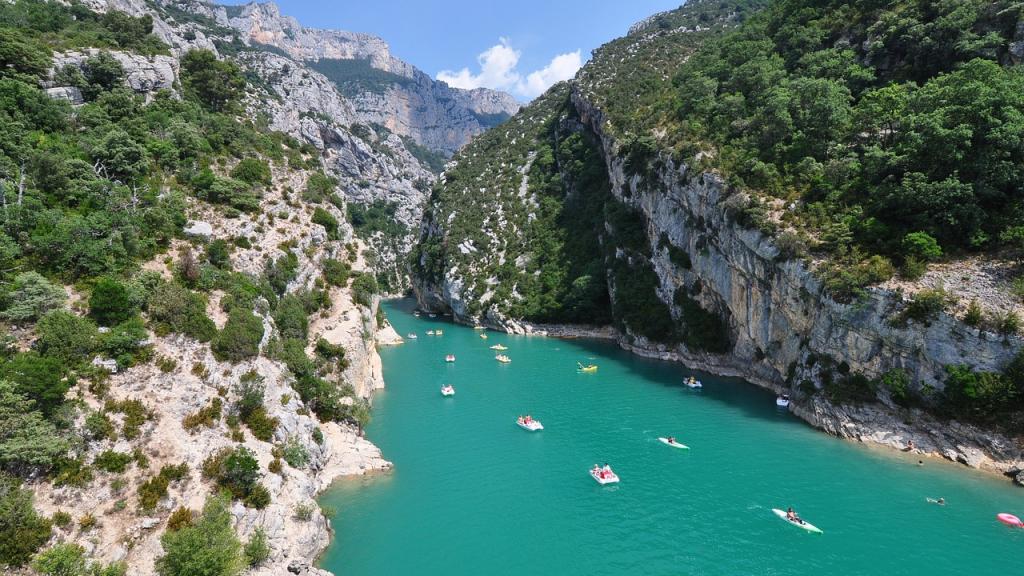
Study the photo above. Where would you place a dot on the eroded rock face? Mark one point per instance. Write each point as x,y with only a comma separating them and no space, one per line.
143,74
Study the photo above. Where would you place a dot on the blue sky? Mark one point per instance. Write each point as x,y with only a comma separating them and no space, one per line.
519,46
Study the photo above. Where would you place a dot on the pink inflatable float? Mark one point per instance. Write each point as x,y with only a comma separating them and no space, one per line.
1010,520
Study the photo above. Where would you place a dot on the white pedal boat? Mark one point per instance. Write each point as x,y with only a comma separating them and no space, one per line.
604,475
447,390
530,425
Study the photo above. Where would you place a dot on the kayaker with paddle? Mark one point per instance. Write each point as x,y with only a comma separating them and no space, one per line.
671,439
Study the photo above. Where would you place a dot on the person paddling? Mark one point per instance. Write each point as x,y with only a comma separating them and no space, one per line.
792,516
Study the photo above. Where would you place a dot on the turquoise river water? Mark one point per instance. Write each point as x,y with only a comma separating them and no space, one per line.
471,493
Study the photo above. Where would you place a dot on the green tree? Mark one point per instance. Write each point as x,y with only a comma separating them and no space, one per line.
207,547
22,530
290,317
257,550
217,84
31,295
27,440
109,303
120,157
39,378
19,54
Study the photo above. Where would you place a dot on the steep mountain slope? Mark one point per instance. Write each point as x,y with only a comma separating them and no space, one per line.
186,308
761,169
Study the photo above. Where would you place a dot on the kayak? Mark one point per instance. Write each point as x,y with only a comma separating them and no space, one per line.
499,347
1010,520
674,444
483,336
447,390
587,368
802,524
782,401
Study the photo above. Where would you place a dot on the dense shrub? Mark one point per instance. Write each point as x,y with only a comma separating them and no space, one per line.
114,462
38,378
207,416
319,187
174,308
290,317
109,303
252,171
240,339
364,288
22,530
329,222
257,550
237,471
336,272
208,547
29,297
67,337
294,453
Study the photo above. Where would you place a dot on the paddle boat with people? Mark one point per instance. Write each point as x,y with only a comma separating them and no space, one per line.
604,475
439,332
483,336
782,400
447,390
410,336
503,358
529,424
499,347
430,332
581,367
479,327
790,517
449,358
671,441
693,383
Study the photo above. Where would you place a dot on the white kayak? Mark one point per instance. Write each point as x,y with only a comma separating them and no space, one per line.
801,524
532,425
608,477
692,382
673,443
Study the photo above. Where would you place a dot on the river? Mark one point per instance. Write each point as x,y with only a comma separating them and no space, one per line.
472,493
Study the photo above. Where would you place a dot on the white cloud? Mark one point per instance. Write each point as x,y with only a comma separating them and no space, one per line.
498,70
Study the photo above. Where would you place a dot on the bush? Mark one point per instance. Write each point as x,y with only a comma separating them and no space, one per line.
67,337
294,453
912,268
336,272
363,289
252,171
135,415
257,550
258,497
109,303
281,271
329,222
924,306
113,462
290,317
61,560
897,381
30,296
207,416
98,426
234,469
319,187
240,339
974,315
174,308
208,547
22,530
181,518
218,254
921,246
155,489
304,512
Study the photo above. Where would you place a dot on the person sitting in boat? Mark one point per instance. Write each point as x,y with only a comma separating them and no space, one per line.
792,517
671,439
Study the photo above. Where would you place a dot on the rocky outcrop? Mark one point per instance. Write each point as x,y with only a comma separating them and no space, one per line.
143,74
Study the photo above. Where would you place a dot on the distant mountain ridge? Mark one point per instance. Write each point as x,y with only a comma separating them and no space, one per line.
383,88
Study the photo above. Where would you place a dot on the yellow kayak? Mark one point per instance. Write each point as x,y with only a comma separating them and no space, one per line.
587,368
